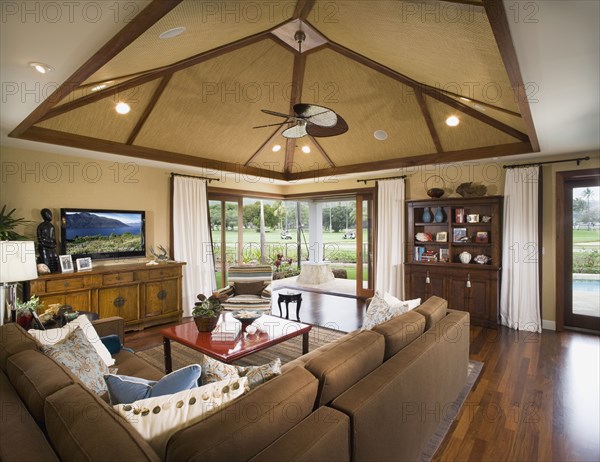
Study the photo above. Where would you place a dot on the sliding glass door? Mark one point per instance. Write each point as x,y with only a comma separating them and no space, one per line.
227,235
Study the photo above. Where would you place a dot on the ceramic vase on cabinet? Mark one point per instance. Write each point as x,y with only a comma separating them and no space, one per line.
427,217
439,215
465,257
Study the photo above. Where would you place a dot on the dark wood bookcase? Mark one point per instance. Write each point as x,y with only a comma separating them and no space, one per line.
471,287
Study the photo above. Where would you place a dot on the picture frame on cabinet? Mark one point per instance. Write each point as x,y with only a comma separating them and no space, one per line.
442,236
482,237
459,234
444,255
66,263
84,264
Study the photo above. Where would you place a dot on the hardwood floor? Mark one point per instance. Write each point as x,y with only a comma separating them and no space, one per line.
537,398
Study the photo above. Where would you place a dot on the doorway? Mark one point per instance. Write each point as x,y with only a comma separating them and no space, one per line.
578,249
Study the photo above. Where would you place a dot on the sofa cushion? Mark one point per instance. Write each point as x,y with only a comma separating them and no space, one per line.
434,309
351,358
128,363
78,355
156,419
54,336
400,331
20,437
13,339
35,376
127,389
250,423
83,427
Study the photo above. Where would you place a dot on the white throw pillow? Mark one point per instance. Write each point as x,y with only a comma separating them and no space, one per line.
384,307
412,304
156,419
53,336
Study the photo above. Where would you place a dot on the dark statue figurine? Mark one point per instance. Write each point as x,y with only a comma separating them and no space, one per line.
47,242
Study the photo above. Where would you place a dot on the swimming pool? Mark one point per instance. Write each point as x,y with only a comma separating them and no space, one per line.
586,285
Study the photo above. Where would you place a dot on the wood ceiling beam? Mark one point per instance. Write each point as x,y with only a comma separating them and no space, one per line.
45,135
427,116
149,108
429,91
465,2
297,82
155,74
499,22
426,159
145,19
322,151
269,139
302,9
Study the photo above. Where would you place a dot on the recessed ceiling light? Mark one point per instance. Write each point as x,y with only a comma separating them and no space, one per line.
172,33
276,148
102,86
122,108
306,149
41,67
452,121
380,135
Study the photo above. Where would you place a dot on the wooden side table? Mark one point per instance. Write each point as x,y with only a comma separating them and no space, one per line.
287,298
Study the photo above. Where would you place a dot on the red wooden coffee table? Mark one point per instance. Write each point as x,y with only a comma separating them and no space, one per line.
274,330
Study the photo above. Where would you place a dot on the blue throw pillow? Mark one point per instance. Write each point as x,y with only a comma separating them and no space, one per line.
112,343
123,389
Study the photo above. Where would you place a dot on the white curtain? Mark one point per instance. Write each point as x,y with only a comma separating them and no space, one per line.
191,239
389,273
520,300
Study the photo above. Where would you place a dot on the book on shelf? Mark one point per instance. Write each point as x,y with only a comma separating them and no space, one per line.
418,252
226,331
429,256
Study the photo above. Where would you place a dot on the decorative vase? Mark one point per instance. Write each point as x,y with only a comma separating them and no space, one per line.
465,257
206,324
427,215
439,215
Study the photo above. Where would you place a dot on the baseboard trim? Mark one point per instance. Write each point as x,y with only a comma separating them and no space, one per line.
548,325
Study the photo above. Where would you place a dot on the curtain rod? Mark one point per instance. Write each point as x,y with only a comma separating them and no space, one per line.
193,176
377,179
578,160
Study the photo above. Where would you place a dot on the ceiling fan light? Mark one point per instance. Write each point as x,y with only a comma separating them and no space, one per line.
452,121
122,108
171,33
306,149
276,148
380,135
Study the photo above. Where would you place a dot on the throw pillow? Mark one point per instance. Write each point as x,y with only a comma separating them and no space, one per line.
156,419
213,370
124,389
78,355
249,288
383,307
53,336
412,304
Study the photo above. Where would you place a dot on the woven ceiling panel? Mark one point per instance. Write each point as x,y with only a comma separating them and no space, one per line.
86,90
209,25
470,133
368,101
442,44
100,120
209,110
266,158
501,116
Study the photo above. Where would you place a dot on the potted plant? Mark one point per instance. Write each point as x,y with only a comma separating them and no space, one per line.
25,310
206,313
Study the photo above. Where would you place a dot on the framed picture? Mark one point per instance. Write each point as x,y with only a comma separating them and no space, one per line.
444,255
482,237
442,236
459,234
36,322
66,263
84,264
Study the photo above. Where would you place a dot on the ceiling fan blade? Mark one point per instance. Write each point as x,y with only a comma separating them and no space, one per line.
317,115
297,131
340,127
272,125
278,114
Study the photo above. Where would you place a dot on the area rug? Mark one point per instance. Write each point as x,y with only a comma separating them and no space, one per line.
292,349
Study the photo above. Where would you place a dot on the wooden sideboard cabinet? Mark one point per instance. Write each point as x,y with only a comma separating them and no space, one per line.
142,295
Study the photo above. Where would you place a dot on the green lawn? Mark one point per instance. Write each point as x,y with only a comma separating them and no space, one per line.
582,235
274,237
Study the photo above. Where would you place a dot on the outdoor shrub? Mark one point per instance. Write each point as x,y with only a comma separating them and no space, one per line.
587,262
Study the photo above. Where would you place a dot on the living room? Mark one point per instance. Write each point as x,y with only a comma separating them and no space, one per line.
63,163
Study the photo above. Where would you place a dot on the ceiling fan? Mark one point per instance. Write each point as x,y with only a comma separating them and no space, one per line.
310,119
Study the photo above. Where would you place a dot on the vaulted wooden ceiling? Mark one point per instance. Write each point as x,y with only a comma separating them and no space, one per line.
401,67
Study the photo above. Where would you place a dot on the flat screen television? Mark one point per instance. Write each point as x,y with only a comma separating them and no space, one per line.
102,234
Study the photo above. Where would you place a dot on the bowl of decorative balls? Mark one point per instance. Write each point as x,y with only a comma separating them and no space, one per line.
246,317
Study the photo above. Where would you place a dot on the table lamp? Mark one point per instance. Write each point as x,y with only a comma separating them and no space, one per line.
17,263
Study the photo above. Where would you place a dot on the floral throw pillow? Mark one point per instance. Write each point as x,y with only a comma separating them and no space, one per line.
383,307
213,371
78,355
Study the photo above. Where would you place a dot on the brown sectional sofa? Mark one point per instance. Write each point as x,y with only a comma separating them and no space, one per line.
370,395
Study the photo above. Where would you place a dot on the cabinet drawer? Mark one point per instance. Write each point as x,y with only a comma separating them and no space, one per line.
60,285
163,273
119,278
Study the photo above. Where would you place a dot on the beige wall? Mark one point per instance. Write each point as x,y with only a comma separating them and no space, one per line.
32,180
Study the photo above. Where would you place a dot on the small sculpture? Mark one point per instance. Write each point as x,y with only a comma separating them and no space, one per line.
482,259
42,268
47,242
161,257
424,237
470,189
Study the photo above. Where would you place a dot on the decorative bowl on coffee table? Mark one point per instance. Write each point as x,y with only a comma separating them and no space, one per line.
246,317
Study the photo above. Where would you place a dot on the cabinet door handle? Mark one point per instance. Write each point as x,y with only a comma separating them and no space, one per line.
119,302
427,280
161,295
468,280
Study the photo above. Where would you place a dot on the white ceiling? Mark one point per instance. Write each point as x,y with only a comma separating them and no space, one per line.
557,44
